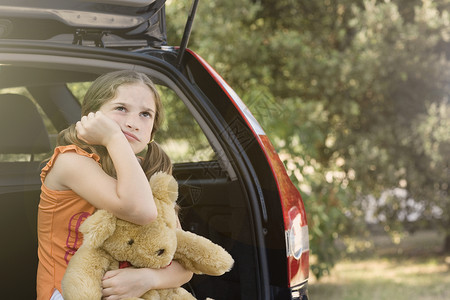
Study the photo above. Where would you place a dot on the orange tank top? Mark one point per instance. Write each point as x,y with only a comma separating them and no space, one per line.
60,214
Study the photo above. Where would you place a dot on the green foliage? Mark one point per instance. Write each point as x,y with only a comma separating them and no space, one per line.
355,99
180,135
79,89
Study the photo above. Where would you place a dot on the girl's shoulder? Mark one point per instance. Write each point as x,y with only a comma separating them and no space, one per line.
70,156
74,149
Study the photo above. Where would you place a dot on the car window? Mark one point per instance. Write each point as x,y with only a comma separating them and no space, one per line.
180,135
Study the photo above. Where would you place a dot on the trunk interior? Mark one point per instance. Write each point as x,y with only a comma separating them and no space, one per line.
212,204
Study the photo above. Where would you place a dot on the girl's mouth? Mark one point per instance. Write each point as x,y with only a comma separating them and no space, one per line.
131,136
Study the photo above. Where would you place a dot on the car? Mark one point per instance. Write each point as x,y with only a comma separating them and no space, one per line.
233,187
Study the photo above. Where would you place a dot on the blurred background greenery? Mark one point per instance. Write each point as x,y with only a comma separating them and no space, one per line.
354,94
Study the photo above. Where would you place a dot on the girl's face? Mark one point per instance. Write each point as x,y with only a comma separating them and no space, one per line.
133,108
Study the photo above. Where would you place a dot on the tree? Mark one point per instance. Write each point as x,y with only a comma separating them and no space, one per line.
359,96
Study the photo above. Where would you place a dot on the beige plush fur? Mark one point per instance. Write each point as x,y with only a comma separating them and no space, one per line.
108,241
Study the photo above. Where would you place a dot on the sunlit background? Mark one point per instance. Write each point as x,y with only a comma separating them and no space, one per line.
355,96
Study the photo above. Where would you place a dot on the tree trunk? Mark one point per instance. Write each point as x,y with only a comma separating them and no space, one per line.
446,248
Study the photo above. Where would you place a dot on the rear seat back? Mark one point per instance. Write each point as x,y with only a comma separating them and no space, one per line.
22,131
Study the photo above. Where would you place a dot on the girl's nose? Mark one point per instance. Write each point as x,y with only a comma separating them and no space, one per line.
131,123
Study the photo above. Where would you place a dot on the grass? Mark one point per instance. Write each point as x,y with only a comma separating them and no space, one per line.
411,269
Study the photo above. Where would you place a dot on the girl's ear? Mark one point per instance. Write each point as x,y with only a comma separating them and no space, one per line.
97,228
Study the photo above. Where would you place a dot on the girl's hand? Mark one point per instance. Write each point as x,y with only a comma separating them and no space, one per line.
132,282
97,129
125,283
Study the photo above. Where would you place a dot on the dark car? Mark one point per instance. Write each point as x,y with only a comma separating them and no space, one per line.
233,187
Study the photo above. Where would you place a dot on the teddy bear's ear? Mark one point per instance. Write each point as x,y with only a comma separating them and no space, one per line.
164,187
97,228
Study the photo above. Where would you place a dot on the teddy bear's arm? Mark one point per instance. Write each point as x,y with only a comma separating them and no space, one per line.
200,255
84,273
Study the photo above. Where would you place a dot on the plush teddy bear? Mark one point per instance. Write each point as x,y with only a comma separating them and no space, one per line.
109,242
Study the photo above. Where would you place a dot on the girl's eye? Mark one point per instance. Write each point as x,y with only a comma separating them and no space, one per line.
120,108
146,114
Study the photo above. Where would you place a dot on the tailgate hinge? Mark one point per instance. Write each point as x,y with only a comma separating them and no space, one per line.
96,36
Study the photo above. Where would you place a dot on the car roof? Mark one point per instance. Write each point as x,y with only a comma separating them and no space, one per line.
88,20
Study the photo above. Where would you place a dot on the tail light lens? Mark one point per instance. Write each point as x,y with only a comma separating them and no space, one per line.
297,239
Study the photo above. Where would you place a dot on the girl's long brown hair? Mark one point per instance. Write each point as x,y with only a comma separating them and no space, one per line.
102,90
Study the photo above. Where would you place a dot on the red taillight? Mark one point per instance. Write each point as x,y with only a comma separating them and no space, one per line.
295,224
297,247
296,234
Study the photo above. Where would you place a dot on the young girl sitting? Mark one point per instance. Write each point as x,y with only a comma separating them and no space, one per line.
94,167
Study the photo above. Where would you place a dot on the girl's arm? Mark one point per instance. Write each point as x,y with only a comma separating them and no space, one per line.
131,282
128,197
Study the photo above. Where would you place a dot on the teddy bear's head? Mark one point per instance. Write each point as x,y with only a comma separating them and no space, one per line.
150,246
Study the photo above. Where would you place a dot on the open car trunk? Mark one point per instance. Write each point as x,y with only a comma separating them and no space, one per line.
213,199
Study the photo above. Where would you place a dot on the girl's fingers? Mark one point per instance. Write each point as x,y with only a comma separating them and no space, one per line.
80,130
78,127
88,117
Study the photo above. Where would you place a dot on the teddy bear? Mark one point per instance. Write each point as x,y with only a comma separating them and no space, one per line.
109,242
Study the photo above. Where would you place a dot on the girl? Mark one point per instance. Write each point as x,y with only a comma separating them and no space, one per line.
94,167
